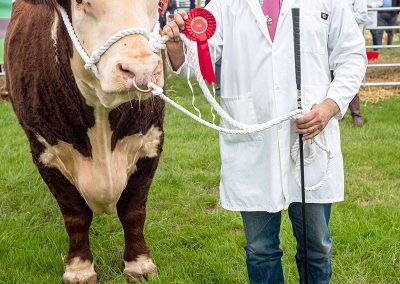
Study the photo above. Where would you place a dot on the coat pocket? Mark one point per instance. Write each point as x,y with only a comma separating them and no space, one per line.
240,108
314,32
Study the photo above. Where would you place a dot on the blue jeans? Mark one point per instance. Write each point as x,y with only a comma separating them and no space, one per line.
375,40
263,255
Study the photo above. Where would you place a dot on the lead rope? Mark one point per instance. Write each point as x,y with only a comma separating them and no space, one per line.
245,128
158,43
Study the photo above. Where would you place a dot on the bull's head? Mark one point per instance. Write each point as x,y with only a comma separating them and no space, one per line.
129,64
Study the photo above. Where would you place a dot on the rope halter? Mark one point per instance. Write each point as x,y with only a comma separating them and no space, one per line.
156,42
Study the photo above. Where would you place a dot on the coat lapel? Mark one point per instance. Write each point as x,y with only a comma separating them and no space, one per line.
259,15
261,20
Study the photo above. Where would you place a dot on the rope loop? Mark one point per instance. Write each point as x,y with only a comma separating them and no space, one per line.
309,149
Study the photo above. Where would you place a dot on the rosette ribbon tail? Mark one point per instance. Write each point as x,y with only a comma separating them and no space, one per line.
205,62
200,26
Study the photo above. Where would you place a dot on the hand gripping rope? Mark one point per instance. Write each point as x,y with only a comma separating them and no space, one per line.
158,43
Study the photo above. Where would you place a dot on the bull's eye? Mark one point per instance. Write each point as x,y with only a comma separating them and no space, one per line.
79,1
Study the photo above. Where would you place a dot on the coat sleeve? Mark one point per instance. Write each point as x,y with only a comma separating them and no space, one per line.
215,43
347,56
375,3
360,12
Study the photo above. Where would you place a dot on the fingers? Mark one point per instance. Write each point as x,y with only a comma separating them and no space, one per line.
314,122
168,31
175,26
179,20
310,128
309,125
183,14
172,31
306,119
311,135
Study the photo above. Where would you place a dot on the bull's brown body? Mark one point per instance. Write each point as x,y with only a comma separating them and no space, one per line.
48,103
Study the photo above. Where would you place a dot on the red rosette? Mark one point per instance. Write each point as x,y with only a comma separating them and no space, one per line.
200,27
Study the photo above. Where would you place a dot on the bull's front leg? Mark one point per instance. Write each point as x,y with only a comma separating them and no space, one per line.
132,213
137,258
79,266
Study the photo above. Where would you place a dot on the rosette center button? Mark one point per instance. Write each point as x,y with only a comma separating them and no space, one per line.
199,25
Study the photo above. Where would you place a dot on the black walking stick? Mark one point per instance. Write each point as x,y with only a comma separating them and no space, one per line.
296,37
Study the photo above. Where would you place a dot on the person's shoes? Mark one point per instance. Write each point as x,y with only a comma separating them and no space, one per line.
356,112
357,120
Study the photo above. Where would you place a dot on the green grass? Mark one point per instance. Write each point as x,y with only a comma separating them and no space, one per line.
192,239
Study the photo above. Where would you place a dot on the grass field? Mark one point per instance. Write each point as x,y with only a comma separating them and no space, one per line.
193,240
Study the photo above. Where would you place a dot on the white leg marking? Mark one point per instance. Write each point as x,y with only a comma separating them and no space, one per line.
79,271
140,268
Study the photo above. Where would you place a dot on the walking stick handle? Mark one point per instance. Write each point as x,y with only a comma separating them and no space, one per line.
296,41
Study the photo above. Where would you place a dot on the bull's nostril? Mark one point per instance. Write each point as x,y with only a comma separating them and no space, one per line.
123,69
137,75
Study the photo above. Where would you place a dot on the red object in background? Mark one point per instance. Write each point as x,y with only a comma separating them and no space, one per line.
200,27
162,7
372,55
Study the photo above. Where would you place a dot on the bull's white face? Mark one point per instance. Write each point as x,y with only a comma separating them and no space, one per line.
129,59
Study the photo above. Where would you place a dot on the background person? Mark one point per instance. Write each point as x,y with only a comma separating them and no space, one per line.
360,13
258,84
387,18
373,19
192,4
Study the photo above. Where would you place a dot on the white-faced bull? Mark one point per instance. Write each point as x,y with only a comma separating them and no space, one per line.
95,141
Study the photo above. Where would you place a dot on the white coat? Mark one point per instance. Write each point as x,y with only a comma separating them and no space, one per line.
360,12
373,15
258,84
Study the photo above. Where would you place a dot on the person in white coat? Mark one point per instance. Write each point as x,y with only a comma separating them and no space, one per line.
257,85
360,13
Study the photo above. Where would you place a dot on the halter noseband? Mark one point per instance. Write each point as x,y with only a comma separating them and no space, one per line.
156,42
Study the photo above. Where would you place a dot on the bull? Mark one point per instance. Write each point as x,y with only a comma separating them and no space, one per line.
96,139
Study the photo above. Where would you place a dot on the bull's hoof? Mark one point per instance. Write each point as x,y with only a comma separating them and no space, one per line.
80,280
79,272
140,270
